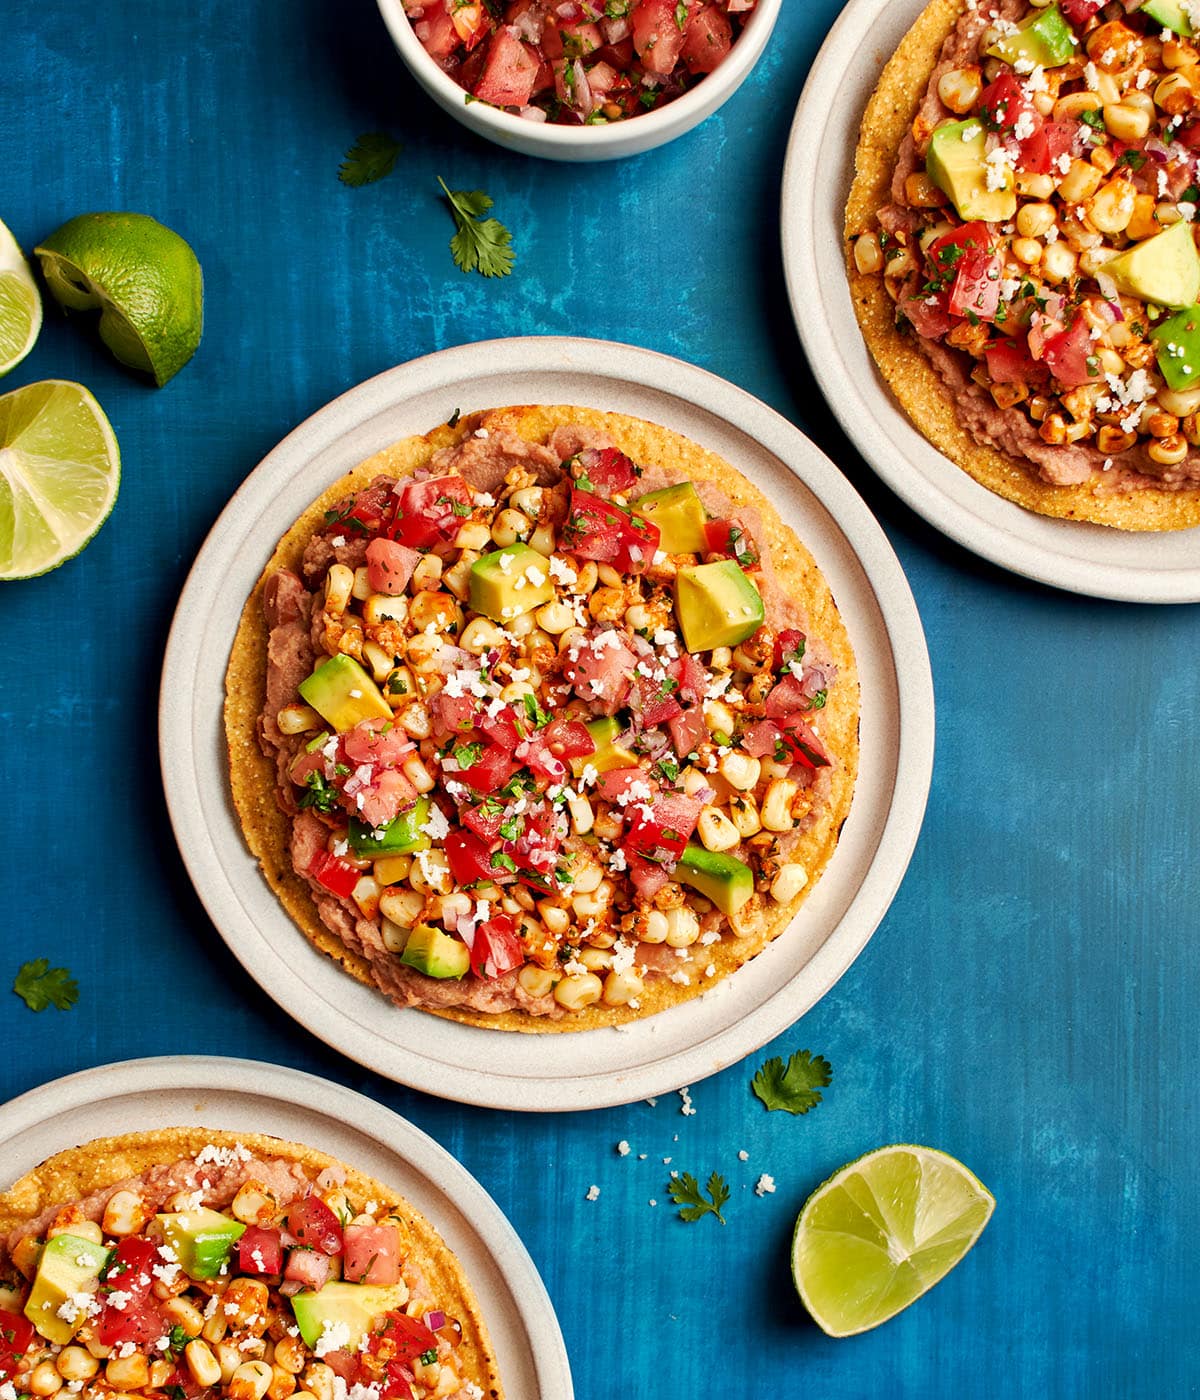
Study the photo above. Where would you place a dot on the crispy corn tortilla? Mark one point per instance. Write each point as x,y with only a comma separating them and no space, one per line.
252,773
94,1166
910,376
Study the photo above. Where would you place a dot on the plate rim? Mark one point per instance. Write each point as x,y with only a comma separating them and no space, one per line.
856,528
1007,545
277,1083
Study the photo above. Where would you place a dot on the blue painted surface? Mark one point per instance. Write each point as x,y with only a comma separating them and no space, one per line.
1029,1004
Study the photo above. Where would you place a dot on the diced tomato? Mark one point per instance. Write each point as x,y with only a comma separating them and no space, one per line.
537,755
372,1255
492,770
471,21
403,1337
338,876
315,1225
790,646
662,836
536,848
707,40
1004,102
806,748
436,31
1080,11
688,730
16,1336
656,700
692,676
452,714
309,1267
617,781
945,253
1071,355
601,674
365,513
785,697
927,315
395,1384
976,289
731,540
390,566
384,797
604,80
580,39
484,820
507,728
1043,328
376,741
1040,152
129,1280
597,529
568,738
1188,135
607,470
469,856
1009,362
619,55
497,949
510,72
260,1251
762,738
657,37
429,513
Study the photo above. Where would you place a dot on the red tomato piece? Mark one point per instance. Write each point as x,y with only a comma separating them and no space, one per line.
568,738
601,671
507,728
537,755
377,741
597,529
661,836
315,1225
617,781
436,31
1004,102
260,1251
510,72
471,22
384,797
309,1267
928,315
707,40
484,820
1071,355
536,848
656,700
469,856
429,513
336,875
688,730
1040,152
1009,362
762,738
390,566
497,949
365,513
607,470
731,540
492,770
692,676
1080,11
976,289
404,1337
789,646
657,37
16,1336
372,1254
452,714
127,1311
806,748
786,697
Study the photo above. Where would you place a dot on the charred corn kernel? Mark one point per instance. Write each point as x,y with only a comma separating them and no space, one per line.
1176,53
637,617
716,831
202,1364
319,1379
607,604
472,534
607,826
1142,224
776,807
1039,406
339,585
245,1303
481,635
1093,259
868,255
395,937
250,1381
521,626
1126,122
1102,158
448,909
436,612
427,575
1027,251
740,771
959,89
415,721
399,687
555,618
292,719
1167,213
1007,395
161,1372
1191,429
592,906
743,813
215,1327
457,578
283,1383
670,896
402,907
595,959
587,577
366,895
1111,441
415,771
1168,451
127,1372
510,526
536,981
1111,207
1180,402
922,193
94,1345
1072,107
381,607
554,916
430,873
44,1379
124,1213
1162,425
899,262
1080,182
718,717
620,988
788,883
1174,95
422,652
1033,186
362,589
578,990
1113,46
1054,430
1059,262
583,817
1035,220
683,927
25,1255
528,500
378,659
1108,90
652,926
518,690
253,1205
1142,101
182,1313
76,1364
694,780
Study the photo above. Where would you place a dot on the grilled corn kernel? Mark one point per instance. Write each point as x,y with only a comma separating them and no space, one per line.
253,1205
960,88
536,981
362,589
716,831
382,607
203,1365
319,1379
250,1381
583,817
472,534
339,585
683,927
1111,441
1175,95
125,1214
1035,220
868,255
743,812
283,1384
1113,46
1180,402
578,990
740,771
1162,425
1072,107
182,1313
1168,451
788,883
1125,122
415,721
76,1364
1059,262
620,988
44,1379
510,526
402,907
1079,183
776,807
1032,186
1027,251
128,1372
1111,207
481,635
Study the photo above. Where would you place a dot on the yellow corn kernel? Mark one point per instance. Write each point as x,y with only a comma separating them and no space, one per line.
1073,106
1079,183
76,1364
620,988
683,927
1035,220
868,255
339,585
128,1372
382,607
179,1312
415,721
1180,402
203,1365
788,883
44,1379
1168,451
744,814
1033,186
124,1212
1126,122
319,1379
391,870
1027,251
776,807
481,635
250,1381
921,193
1059,262
1111,207
579,990
362,589
960,89
283,1383
1174,95
536,981
1142,223
716,831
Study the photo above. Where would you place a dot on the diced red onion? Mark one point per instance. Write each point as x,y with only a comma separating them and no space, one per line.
616,29
1115,308
533,114
290,1287
435,1320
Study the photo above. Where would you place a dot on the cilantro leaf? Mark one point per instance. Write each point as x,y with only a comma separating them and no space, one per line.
39,985
371,157
797,1088
484,247
685,1192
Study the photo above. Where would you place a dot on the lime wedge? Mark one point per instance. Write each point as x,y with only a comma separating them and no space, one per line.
881,1232
141,276
59,471
20,304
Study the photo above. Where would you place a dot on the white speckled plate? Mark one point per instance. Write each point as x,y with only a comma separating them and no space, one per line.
1135,567
602,1067
252,1097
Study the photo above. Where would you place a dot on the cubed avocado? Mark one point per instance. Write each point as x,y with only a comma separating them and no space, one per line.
67,1267
510,582
344,1312
680,516
1044,39
727,881
201,1240
957,163
343,694
1177,341
1170,14
1164,269
400,837
436,954
609,754
717,605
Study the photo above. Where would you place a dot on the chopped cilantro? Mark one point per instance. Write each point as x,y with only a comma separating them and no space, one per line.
427,1358
795,1088
1133,159
319,793
39,985
818,700
467,755
1094,118
480,245
685,1192
502,862
370,158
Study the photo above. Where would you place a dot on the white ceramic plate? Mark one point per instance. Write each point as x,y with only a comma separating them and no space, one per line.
252,1097
602,1067
1144,568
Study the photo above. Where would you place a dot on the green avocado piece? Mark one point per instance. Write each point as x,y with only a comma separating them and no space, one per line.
1177,340
717,605
400,837
68,1266
680,516
343,694
510,582
353,1306
1164,269
609,754
436,954
201,1240
727,881
1171,15
1044,39
956,162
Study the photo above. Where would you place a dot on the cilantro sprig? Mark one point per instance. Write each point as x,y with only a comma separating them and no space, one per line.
795,1088
371,157
480,245
39,985
685,1192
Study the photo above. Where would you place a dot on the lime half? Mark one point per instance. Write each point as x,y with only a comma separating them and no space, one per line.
59,471
881,1232
141,276
20,304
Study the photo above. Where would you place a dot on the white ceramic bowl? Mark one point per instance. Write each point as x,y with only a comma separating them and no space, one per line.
586,143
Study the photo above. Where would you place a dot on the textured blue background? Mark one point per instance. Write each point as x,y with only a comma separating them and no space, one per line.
1029,1004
